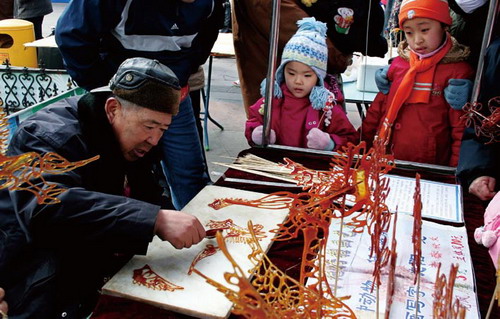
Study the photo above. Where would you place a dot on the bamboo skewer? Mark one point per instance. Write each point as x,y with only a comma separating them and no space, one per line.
240,168
260,166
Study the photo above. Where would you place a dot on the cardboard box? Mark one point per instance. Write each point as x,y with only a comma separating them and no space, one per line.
366,73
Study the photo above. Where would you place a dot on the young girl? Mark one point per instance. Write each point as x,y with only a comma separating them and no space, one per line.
304,113
420,115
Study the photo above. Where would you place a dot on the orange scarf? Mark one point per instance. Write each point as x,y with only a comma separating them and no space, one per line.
415,87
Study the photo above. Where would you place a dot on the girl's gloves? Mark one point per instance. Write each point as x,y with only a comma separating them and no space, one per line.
316,138
381,80
319,140
458,92
257,135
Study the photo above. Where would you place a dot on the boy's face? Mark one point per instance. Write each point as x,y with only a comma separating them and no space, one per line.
299,78
423,35
136,128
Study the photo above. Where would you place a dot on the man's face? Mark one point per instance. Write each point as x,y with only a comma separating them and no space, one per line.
136,128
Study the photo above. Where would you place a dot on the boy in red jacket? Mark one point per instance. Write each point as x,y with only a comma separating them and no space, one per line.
304,113
419,117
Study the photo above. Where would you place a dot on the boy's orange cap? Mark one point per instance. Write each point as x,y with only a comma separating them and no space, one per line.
431,9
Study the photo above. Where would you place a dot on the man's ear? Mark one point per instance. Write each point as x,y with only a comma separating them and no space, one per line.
112,108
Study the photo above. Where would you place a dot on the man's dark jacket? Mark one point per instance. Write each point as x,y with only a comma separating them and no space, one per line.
477,158
53,257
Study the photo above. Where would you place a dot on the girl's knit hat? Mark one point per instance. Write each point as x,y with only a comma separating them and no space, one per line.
431,9
307,45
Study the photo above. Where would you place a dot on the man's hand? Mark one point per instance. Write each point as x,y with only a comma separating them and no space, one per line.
4,308
257,135
483,187
180,229
381,80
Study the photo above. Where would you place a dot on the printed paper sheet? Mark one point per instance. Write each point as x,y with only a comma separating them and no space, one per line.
440,200
445,244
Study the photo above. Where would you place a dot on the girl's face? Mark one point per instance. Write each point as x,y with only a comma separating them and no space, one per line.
423,35
299,78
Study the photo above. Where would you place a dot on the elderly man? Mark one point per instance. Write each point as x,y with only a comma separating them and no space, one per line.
95,36
53,258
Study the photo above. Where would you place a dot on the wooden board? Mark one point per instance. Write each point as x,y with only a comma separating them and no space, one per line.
197,298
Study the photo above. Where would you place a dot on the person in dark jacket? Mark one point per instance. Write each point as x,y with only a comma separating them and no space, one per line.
6,9
479,163
53,258
33,11
95,36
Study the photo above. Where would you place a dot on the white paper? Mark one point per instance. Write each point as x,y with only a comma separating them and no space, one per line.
439,200
440,243
198,298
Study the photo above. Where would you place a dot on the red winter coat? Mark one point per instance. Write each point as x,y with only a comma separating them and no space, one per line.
292,118
426,133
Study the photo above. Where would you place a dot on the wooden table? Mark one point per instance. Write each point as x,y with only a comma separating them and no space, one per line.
286,255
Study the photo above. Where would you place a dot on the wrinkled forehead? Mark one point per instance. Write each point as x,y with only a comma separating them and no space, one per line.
145,115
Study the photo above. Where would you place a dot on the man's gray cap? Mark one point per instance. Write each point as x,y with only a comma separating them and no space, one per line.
134,72
146,83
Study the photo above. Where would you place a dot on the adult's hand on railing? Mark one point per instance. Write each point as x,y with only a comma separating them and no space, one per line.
483,187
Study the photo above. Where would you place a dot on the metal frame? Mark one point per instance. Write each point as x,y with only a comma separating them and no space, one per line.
23,87
488,30
206,101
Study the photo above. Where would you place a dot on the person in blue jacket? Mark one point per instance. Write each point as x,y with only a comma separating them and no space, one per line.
95,36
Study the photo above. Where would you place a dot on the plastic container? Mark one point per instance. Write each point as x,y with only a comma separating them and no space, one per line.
14,33
366,73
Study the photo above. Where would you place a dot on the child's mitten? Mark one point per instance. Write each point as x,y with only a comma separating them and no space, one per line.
319,140
381,80
458,92
257,135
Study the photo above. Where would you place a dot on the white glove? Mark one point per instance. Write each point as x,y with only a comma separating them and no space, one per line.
257,135
319,140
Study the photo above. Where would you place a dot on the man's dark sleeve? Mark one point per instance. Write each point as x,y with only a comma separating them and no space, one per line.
207,35
82,217
477,158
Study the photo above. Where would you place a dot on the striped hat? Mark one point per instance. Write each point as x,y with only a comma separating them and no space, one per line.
431,9
308,46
